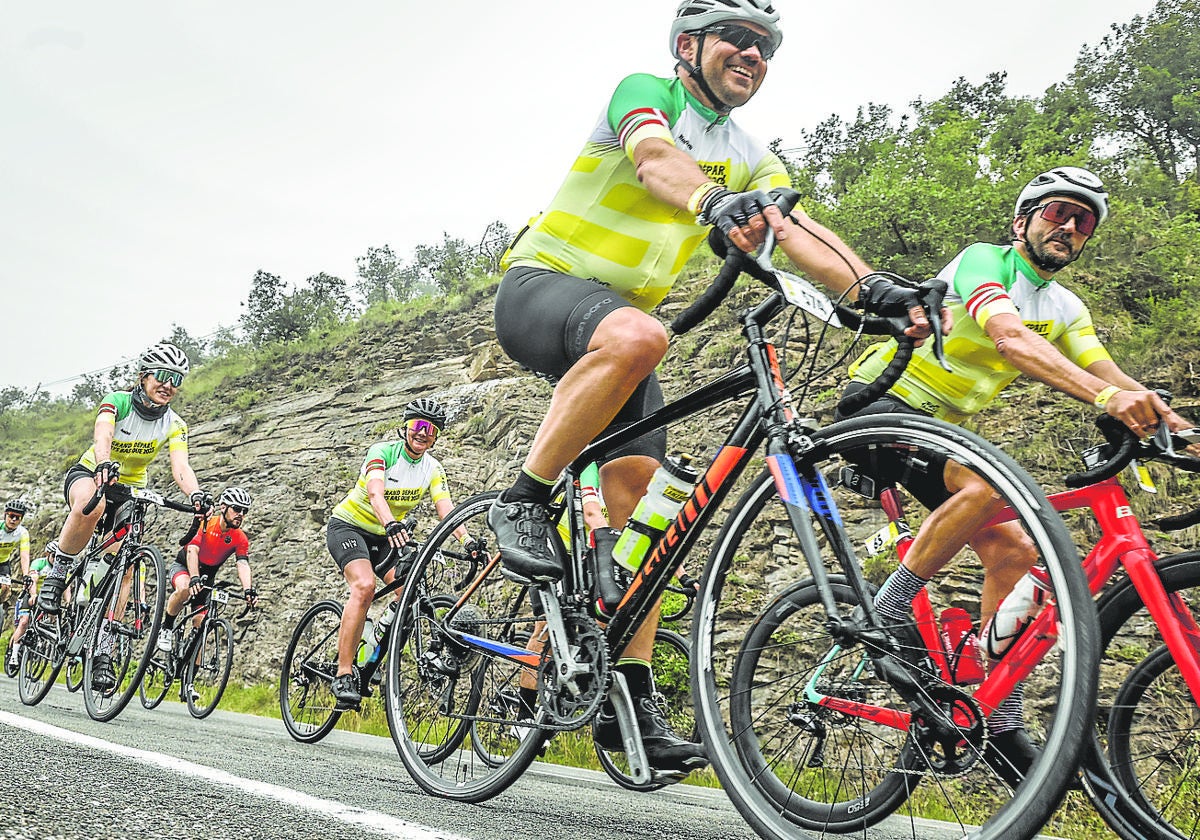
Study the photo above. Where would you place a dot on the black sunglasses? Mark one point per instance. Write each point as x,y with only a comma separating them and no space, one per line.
239,509
743,39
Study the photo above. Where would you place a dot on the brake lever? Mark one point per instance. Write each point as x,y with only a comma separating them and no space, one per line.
934,292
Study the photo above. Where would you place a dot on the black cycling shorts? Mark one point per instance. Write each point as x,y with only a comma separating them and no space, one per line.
347,542
544,321
922,474
119,497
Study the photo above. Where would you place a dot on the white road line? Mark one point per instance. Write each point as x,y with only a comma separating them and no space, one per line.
375,820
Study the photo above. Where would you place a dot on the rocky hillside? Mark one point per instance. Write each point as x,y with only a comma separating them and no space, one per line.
298,447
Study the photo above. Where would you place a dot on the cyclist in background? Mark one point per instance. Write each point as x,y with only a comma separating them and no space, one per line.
664,163
197,563
366,525
14,544
130,429
1010,317
23,614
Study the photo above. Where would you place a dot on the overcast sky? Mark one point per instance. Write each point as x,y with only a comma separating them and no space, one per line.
154,155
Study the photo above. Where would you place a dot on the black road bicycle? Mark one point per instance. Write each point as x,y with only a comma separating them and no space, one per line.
201,661
115,607
786,526
306,699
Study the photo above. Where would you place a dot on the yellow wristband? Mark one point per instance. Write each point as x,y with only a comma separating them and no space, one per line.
701,193
1104,396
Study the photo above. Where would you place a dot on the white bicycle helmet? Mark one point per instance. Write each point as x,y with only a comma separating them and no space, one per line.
1065,180
163,356
694,15
17,506
235,496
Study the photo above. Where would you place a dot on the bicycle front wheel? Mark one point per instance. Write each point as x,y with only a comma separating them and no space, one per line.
439,690
306,698
805,734
1148,723
74,674
126,634
208,668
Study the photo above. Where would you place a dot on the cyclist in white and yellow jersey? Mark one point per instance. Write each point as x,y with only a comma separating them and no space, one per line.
14,546
131,428
366,525
1011,316
663,165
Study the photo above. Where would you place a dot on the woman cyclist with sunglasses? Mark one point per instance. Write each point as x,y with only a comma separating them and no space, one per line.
366,525
1011,316
131,428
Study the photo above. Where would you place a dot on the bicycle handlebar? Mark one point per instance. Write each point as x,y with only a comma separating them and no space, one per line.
1123,446
147,496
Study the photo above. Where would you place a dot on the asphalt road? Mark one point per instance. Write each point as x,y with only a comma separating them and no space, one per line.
162,774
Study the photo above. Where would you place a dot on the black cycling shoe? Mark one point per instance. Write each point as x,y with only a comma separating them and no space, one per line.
523,534
104,678
50,598
664,749
1011,754
345,692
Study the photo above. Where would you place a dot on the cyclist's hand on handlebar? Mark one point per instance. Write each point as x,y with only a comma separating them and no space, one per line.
1142,411
743,217
476,548
195,586
251,596
202,502
907,309
107,472
398,534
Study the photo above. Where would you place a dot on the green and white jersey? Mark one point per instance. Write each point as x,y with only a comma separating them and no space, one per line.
136,440
12,543
604,224
405,483
985,280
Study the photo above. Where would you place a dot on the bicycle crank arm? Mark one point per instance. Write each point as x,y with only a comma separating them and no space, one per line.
631,735
567,668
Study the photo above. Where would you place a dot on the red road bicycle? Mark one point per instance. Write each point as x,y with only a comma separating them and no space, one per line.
1141,770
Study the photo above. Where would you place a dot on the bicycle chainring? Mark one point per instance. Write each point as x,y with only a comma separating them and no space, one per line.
571,704
951,755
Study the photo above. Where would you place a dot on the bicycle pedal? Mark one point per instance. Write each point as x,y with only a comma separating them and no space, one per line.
341,706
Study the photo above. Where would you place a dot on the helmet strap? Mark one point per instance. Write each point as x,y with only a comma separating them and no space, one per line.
696,73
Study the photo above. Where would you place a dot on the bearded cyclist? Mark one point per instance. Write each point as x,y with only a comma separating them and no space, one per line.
664,164
197,563
1011,316
365,531
130,429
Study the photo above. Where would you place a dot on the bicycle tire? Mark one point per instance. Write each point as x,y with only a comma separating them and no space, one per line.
74,674
670,669
208,668
130,629
431,712
775,747
1139,799
306,699
156,682
41,660
11,666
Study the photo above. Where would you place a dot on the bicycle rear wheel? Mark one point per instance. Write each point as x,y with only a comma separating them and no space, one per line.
439,690
208,668
777,695
128,631
155,682
306,698
74,677
41,658
1140,770
670,667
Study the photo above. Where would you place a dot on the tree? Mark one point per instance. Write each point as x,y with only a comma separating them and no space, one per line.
1144,78
328,298
378,276
193,348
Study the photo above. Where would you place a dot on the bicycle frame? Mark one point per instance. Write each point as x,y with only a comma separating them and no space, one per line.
1122,544
768,417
